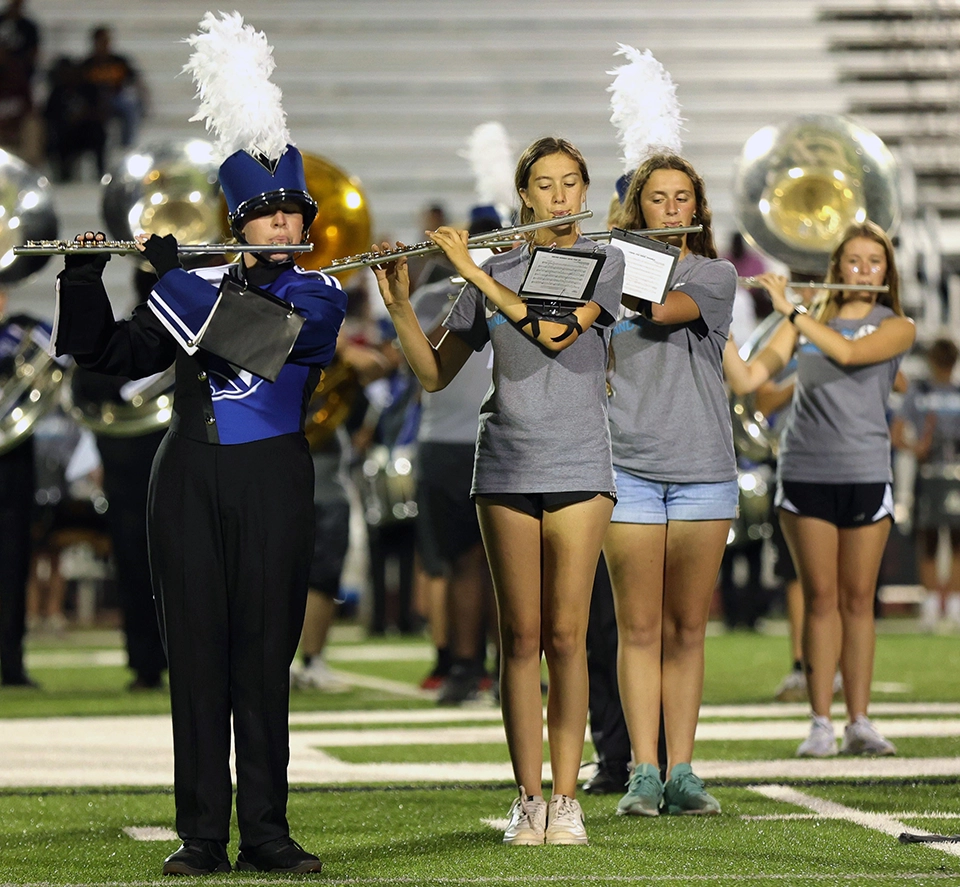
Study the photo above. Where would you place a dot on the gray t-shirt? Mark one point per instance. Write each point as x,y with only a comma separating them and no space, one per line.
669,411
543,426
937,403
836,431
450,415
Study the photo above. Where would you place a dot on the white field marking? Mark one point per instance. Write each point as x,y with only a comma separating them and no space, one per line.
829,768
150,833
497,823
405,736
802,709
380,652
909,814
387,716
771,711
881,822
721,730
385,685
734,730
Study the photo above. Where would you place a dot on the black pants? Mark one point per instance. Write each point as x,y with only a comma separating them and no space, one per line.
608,728
231,538
16,504
126,477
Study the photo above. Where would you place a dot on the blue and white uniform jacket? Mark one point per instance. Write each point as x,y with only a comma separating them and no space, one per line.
215,401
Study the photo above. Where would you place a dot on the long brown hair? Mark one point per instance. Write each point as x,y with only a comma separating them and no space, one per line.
632,214
828,305
544,148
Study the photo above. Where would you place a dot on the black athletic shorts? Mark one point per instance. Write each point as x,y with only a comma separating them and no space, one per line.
447,525
330,546
843,505
535,504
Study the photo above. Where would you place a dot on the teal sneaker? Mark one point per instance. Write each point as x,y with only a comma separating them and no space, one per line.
644,793
684,794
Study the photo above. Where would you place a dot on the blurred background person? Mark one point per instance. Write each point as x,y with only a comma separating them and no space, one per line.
928,426
120,90
126,459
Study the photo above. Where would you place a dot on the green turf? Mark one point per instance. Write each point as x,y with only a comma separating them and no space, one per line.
399,835
437,836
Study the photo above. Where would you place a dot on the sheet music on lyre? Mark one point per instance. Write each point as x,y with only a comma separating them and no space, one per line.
648,267
567,276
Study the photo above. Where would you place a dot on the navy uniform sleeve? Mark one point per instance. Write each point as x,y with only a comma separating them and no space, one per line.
321,301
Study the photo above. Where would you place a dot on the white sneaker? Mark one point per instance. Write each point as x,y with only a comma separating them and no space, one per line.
862,738
319,676
528,820
565,821
793,688
822,741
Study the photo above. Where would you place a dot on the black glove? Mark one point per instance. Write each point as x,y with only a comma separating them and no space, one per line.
161,252
85,267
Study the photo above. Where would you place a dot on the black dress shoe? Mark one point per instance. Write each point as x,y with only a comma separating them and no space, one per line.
197,856
19,680
282,855
603,782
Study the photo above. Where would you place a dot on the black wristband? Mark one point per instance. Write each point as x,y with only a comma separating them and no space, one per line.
797,311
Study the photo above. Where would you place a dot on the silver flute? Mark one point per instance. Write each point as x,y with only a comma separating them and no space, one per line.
501,236
128,247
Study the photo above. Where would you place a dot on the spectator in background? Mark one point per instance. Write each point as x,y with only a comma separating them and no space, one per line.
119,89
73,123
928,425
749,264
19,45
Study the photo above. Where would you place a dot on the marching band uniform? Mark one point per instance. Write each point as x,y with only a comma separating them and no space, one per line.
230,515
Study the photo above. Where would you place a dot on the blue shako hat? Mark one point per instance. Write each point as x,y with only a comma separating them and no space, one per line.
251,184
623,185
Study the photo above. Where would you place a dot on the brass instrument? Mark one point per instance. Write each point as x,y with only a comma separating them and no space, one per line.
166,187
145,406
31,381
26,211
343,223
818,285
331,402
129,247
30,389
798,185
477,241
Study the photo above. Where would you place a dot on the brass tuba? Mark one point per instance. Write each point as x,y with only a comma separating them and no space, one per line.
162,187
797,186
30,379
342,228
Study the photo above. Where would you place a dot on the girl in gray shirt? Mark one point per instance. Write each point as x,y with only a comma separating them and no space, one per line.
543,481
833,490
676,487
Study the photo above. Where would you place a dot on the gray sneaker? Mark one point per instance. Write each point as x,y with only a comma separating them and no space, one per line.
862,738
822,741
528,820
644,793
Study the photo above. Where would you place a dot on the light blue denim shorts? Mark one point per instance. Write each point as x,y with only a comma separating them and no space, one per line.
642,501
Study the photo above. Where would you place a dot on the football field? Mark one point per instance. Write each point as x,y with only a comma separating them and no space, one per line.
390,789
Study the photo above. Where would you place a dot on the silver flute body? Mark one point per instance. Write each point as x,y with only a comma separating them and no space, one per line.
128,247
477,241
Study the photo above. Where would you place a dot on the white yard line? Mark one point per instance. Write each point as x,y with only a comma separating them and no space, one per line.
881,822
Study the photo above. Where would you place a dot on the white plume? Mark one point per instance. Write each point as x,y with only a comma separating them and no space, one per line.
491,158
645,108
231,65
